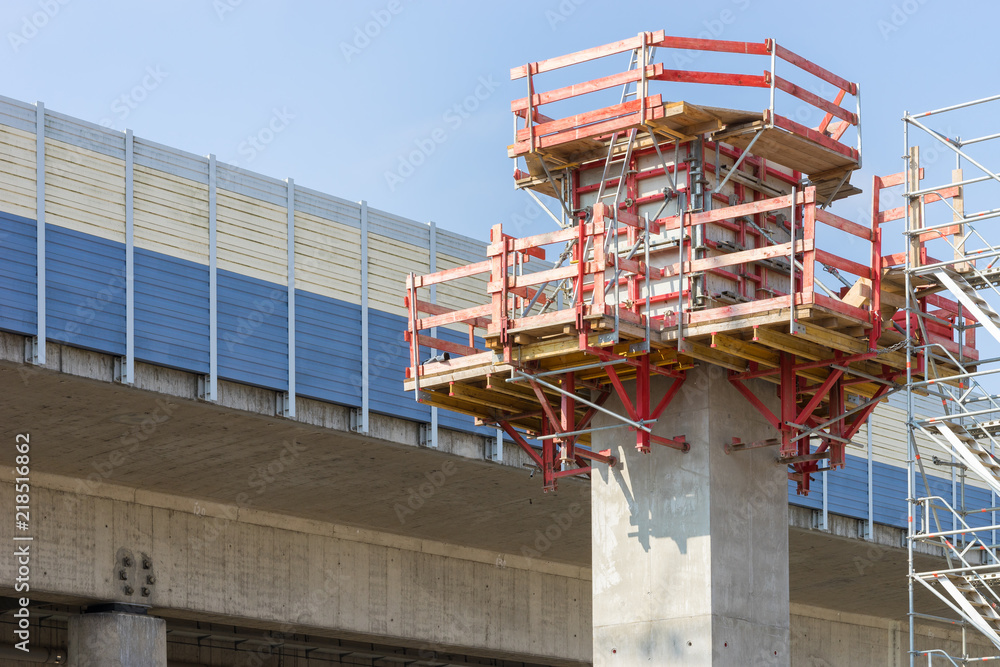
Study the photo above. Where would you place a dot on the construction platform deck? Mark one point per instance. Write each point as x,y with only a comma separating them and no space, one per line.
690,234
551,145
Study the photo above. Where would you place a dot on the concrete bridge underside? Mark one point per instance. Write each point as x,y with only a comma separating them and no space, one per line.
362,547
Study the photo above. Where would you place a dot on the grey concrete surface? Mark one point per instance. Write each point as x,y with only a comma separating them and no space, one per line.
218,487
270,571
157,437
116,639
690,549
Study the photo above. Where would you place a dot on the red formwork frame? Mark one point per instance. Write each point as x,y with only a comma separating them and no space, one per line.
539,132
797,421
801,390
508,292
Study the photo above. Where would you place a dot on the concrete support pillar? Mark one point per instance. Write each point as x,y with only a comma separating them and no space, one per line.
117,639
690,550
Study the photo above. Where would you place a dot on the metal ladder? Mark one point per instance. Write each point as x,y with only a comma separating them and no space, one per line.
966,294
978,609
972,453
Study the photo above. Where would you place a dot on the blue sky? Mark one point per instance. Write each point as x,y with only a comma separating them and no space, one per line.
338,95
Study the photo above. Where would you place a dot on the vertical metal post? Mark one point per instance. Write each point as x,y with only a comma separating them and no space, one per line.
35,353
127,370
774,49
289,406
647,283
824,522
682,202
210,385
792,326
857,99
432,441
362,426
871,491
910,460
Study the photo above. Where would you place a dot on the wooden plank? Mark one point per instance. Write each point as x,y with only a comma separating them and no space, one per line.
793,344
474,314
742,310
843,264
814,100
619,124
741,257
567,92
459,405
712,78
815,137
832,339
813,68
742,323
537,241
462,369
712,356
490,399
842,309
718,45
452,274
843,224
746,350
583,56
730,212
499,384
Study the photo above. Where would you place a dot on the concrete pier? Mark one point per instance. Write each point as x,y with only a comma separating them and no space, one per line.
116,638
690,550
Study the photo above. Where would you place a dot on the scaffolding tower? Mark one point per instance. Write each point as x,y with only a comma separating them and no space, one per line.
952,395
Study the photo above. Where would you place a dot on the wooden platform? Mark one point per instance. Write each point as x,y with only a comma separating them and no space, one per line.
828,163
481,386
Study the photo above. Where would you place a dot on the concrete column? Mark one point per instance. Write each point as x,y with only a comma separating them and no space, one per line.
117,639
690,550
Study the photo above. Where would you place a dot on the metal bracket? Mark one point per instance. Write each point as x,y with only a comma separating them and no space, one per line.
31,350
819,521
494,448
607,339
427,437
358,424
121,371
863,532
283,404
203,388
639,348
738,445
679,442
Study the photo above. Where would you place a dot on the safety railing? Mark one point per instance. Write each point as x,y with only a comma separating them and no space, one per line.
536,131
